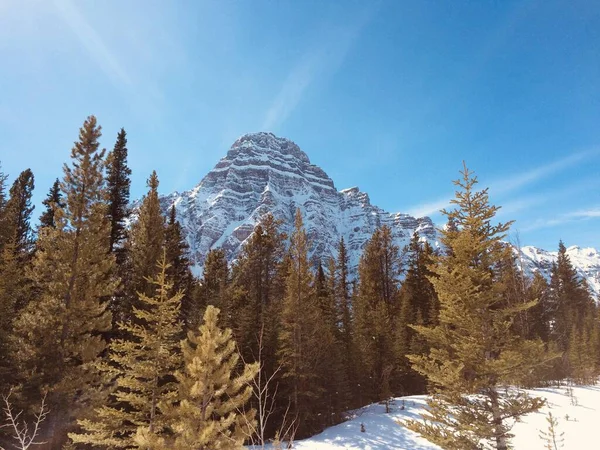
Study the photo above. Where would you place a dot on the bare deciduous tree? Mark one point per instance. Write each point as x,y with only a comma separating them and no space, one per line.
21,432
264,391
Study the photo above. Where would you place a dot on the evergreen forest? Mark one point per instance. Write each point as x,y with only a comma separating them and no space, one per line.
108,341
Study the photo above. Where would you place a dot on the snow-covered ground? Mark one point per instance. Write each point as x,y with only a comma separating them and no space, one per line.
578,422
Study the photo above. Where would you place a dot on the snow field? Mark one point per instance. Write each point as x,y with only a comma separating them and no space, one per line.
578,418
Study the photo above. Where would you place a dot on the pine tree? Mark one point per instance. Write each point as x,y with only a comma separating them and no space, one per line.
118,184
53,200
569,299
17,214
303,338
144,247
335,386
15,258
143,365
59,331
473,348
208,412
376,312
553,440
3,199
256,291
343,300
179,271
419,306
539,319
212,290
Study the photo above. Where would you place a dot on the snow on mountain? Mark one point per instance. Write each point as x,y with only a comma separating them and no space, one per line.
262,173
577,420
585,260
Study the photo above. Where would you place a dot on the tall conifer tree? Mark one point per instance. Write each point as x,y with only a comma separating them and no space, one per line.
376,312
212,290
53,201
143,364
256,292
17,214
419,306
60,329
118,184
303,338
144,247
179,272
473,348
3,199
208,412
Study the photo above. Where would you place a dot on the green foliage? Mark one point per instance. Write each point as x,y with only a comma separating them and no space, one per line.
179,272
58,335
473,347
17,214
142,366
376,311
553,440
144,247
118,184
208,412
53,200
304,339
419,305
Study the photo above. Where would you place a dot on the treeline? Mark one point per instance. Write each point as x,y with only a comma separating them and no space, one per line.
106,322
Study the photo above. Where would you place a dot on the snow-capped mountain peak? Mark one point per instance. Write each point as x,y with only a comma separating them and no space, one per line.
262,173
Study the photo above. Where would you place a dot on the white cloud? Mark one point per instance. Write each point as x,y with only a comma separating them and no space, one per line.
573,216
92,41
323,59
513,183
429,208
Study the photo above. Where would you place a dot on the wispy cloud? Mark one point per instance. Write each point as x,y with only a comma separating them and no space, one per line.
429,208
527,202
509,184
574,216
92,41
514,183
323,59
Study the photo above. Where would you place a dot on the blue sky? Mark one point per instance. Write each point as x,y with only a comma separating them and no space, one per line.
389,96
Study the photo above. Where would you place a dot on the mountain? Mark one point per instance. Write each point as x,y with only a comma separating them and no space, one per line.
585,260
263,173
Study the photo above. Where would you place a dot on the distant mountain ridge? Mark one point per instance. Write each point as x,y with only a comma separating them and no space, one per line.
263,173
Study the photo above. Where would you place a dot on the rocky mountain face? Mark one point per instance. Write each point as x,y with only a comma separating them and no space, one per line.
585,260
262,173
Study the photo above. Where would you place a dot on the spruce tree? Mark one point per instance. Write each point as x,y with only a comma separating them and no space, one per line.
418,306
343,299
538,315
144,247
333,373
118,184
15,258
60,331
473,348
256,291
17,214
208,412
569,299
143,365
53,200
179,272
303,337
376,313
3,199
212,290
14,292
